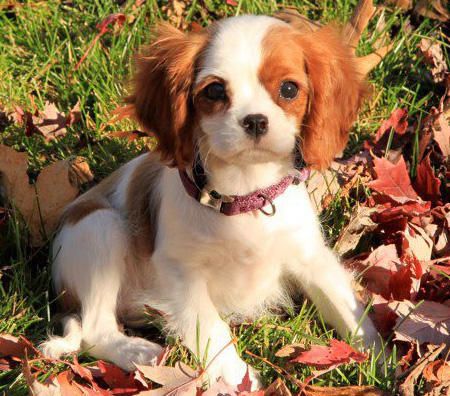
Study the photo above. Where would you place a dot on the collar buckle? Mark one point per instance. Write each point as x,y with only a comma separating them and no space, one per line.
213,199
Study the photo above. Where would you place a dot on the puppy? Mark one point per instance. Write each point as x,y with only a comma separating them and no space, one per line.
214,222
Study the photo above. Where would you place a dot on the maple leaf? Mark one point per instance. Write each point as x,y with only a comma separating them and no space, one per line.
398,121
393,180
428,322
426,183
334,355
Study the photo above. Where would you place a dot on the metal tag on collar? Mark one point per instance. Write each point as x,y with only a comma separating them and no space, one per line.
213,199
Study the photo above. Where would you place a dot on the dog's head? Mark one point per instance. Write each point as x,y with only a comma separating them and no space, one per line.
248,89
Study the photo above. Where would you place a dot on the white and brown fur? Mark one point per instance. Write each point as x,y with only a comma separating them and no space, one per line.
138,238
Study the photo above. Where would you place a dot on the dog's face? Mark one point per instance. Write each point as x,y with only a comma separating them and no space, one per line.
248,89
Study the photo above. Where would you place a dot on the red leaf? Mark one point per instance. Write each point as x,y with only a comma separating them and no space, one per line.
118,380
246,384
232,3
67,387
400,284
427,184
334,355
398,121
112,19
393,180
13,346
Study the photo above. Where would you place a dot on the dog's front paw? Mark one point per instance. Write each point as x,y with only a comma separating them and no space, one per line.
126,351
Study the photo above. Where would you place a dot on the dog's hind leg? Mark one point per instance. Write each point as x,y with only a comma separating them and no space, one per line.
90,263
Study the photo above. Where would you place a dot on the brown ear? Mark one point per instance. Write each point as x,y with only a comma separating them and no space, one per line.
162,88
336,93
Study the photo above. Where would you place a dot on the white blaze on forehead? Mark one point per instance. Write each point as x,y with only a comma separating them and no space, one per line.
235,51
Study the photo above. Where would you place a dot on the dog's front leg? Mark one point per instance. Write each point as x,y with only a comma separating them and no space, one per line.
328,284
193,317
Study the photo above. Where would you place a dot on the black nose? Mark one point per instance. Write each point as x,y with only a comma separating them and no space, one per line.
255,125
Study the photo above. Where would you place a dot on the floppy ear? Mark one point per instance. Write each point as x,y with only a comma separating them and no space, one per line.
161,100
336,93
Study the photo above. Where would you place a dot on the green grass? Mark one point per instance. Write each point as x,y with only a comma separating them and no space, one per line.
40,44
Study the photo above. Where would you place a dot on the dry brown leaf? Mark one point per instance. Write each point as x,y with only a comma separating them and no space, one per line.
359,225
79,172
407,388
359,20
277,388
41,204
181,378
434,56
403,4
323,184
291,350
429,322
74,115
434,9
441,131
420,244
50,122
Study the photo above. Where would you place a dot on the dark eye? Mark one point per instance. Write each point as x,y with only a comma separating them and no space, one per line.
215,91
288,90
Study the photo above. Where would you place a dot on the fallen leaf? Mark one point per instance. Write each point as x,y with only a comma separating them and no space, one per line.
420,244
426,183
117,379
291,350
13,346
74,115
66,385
181,378
359,225
398,121
441,132
393,180
403,4
41,204
437,371
117,19
378,268
322,184
277,388
429,322
434,9
407,388
336,354
220,387
50,122
434,56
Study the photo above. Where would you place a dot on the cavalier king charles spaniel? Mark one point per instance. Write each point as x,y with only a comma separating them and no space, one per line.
215,224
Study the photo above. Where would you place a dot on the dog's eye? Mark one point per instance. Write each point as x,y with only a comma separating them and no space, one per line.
288,90
215,91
